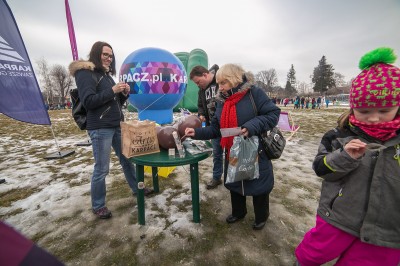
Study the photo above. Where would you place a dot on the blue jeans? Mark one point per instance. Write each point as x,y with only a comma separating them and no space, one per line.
217,159
102,141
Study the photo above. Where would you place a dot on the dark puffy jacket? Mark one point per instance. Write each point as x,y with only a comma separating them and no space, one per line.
266,119
104,107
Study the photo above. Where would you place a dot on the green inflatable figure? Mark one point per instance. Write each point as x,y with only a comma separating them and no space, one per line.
189,60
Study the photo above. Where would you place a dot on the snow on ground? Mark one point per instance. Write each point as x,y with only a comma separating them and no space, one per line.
49,202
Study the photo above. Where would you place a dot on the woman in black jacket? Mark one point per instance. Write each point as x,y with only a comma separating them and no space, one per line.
103,100
235,109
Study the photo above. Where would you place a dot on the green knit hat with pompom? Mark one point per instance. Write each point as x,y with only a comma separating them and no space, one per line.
378,85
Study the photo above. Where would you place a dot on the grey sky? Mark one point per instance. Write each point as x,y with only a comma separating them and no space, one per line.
257,34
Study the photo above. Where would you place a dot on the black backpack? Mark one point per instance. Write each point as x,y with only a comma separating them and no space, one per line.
78,111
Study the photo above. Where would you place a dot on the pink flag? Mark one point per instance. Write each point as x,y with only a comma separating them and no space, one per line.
71,32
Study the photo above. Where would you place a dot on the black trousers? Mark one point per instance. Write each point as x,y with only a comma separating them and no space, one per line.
260,205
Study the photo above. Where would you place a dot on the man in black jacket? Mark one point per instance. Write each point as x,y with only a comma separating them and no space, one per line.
205,80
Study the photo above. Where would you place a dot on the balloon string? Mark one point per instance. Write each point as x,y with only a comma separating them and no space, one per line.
152,103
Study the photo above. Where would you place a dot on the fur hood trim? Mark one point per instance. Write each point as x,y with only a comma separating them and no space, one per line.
241,87
80,64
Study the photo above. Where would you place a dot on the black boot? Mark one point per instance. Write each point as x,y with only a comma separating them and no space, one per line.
261,211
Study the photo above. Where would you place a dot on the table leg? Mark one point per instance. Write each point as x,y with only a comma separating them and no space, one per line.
154,172
140,194
194,181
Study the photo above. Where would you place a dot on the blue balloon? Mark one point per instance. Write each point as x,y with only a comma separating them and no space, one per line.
158,82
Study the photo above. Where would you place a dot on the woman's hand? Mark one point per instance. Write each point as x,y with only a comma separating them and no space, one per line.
127,90
121,87
355,148
245,132
189,132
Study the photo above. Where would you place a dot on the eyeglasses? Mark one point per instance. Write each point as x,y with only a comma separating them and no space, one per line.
107,55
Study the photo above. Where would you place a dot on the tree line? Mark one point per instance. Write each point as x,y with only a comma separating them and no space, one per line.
323,80
56,82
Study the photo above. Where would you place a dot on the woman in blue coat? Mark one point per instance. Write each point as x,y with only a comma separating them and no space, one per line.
235,109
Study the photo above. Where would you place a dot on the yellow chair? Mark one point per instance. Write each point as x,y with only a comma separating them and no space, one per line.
162,171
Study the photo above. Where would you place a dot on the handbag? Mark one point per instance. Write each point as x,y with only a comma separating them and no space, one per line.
79,112
272,141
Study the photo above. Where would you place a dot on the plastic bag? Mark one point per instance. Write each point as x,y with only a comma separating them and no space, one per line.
197,146
243,160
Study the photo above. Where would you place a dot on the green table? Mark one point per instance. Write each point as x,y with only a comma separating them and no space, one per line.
162,159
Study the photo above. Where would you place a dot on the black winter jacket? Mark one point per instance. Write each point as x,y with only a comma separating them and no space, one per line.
207,98
104,107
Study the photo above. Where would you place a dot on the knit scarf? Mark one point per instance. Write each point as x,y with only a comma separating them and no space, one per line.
229,118
382,131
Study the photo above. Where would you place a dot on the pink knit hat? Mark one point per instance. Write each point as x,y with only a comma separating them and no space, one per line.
378,85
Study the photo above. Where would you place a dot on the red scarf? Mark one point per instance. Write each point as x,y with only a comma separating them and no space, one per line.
382,131
229,118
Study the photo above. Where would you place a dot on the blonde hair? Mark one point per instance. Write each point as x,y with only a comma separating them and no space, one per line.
343,119
232,73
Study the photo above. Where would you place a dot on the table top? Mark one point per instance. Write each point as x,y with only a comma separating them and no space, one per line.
162,159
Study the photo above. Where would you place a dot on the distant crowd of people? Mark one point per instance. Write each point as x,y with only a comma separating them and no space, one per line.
59,106
305,102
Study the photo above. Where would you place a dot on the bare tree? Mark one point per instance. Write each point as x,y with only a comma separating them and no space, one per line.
339,79
62,80
45,80
303,88
268,77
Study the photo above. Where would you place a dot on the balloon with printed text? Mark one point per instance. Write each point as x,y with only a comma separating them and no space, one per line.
158,82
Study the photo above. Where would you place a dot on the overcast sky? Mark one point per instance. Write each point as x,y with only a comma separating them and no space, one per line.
258,34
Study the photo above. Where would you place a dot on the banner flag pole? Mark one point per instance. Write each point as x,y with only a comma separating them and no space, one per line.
74,50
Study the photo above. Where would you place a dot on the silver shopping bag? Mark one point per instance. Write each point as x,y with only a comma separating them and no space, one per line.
243,159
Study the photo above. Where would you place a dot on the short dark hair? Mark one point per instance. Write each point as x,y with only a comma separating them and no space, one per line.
198,71
95,57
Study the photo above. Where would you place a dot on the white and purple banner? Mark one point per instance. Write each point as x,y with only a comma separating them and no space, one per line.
20,96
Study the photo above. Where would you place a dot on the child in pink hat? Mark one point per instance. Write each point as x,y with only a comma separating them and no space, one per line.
358,217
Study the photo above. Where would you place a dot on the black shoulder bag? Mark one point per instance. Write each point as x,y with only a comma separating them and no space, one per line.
272,141
79,112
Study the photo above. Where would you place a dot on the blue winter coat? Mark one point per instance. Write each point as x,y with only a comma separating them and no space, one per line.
266,119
